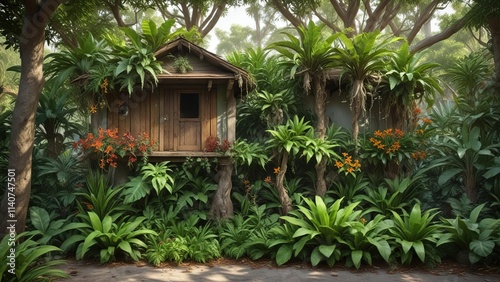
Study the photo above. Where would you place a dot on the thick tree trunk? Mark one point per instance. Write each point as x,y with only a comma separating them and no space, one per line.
23,117
222,206
286,204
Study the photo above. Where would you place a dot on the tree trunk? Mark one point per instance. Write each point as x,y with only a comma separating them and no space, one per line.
321,180
286,204
222,206
320,96
357,107
494,26
23,117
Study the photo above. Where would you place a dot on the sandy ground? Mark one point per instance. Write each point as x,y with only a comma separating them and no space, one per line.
237,271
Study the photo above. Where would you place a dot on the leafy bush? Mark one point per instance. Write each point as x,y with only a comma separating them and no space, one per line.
477,238
323,228
46,228
100,197
156,175
106,237
364,239
247,235
30,260
415,233
184,241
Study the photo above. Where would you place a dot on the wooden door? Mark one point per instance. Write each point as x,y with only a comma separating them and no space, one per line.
187,120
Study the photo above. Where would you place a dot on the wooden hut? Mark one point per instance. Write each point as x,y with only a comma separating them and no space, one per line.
185,109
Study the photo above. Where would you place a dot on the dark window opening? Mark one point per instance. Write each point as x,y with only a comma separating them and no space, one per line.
190,105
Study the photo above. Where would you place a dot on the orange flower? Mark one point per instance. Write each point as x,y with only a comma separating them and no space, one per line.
377,133
399,133
277,170
339,164
267,179
101,163
108,149
93,109
417,111
426,120
97,144
246,182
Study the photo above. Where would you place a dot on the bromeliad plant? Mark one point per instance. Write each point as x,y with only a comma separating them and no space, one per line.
108,237
415,234
108,144
322,228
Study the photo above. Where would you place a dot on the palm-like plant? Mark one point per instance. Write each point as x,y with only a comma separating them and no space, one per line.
362,59
407,80
55,120
310,56
287,141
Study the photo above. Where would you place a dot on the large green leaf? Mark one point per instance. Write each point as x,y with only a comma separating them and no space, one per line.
326,250
482,248
284,254
136,189
40,219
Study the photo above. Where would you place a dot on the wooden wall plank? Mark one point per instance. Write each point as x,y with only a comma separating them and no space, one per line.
213,112
154,123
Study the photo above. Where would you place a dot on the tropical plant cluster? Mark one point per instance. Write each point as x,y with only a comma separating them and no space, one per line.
421,189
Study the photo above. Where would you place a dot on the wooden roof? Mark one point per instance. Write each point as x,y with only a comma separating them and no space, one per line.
219,68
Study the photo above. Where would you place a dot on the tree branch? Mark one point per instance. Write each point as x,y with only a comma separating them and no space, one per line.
429,41
422,19
295,21
328,23
213,21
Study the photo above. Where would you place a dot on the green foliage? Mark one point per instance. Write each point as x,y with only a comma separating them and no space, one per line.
415,233
30,260
409,80
322,227
362,58
108,237
184,241
46,228
247,235
181,64
310,53
364,238
246,154
156,175
467,156
100,197
478,238
393,195
350,187
64,171
297,136
56,120
165,247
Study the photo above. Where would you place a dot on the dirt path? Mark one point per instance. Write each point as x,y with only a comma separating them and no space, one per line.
225,270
